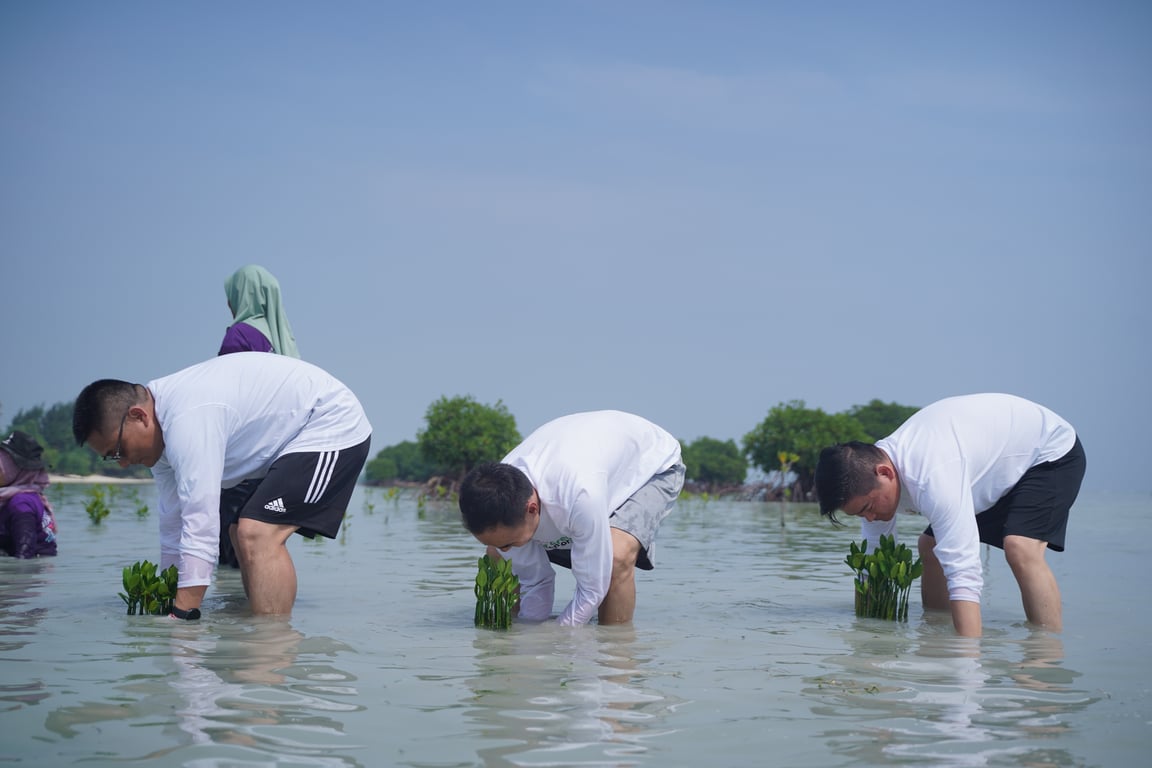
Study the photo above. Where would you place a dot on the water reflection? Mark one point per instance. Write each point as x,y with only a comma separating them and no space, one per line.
927,696
21,582
745,652
545,695
237,690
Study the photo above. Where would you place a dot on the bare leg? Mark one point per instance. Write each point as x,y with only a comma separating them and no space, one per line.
1038,586
266,566
236,548
620,602
933,585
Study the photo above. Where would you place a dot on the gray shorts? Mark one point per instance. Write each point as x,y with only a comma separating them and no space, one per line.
640,515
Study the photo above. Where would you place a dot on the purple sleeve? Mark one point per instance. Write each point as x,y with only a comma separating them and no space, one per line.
241,337
26,510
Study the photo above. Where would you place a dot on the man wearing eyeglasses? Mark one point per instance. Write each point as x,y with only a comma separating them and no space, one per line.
214,424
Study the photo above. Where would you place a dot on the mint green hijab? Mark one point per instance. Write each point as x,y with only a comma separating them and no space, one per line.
254,296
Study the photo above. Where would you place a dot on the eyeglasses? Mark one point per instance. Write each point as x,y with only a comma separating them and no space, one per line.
115,455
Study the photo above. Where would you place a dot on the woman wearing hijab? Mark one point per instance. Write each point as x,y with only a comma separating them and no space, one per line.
27,526
259,324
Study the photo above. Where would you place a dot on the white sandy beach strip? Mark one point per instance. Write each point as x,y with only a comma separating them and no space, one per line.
98,479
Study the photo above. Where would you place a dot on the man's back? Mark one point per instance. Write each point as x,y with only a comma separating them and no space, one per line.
248,408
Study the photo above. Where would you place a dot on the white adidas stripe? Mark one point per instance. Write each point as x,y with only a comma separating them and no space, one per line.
325,465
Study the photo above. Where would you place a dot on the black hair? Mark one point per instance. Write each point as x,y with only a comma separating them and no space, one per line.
494,494
845,471
98,403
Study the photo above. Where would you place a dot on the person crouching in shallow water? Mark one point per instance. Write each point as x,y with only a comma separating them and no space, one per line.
587,492
245,415
27,526
986,468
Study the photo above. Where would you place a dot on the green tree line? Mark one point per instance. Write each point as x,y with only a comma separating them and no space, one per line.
460,432
52,428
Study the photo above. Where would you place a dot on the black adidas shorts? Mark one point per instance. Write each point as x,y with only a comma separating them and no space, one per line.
309,490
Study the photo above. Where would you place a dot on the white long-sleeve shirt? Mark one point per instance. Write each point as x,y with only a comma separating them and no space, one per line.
955,459
226,420
583,467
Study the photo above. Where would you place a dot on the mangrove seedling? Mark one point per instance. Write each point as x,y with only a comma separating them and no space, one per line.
497,592
141,507
96,506
148,592
884,578
787,459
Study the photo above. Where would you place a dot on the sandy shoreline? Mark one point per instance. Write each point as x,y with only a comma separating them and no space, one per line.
98,479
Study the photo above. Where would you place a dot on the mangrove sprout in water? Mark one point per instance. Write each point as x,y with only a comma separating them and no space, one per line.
884,578
148,592
497,592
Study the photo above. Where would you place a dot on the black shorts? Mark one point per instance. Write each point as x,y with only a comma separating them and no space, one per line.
1037,506
308,490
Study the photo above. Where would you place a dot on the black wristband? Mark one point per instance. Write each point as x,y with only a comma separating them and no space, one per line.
191,615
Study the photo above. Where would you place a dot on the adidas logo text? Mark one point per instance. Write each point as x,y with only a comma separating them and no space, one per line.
276,505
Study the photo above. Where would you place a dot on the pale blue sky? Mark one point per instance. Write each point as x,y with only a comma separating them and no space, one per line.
689,210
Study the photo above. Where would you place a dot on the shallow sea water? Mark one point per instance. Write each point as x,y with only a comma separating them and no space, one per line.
744,651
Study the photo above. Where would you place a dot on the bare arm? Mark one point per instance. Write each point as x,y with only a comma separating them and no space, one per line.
966,618
188,598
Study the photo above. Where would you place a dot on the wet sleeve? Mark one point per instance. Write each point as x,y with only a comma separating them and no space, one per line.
537,581
190,497
591,557
24,526
958,550
194,571
945,500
